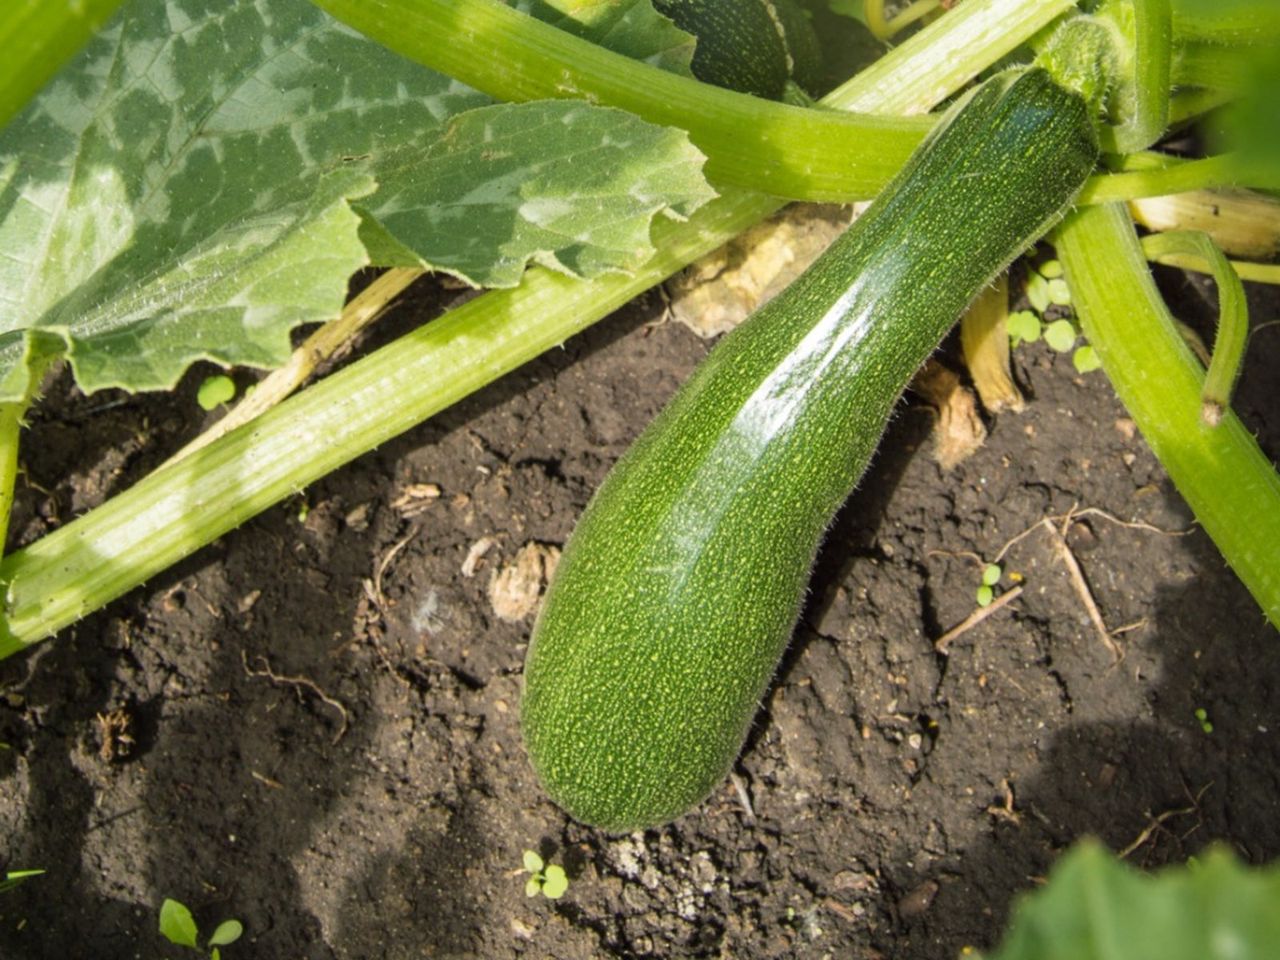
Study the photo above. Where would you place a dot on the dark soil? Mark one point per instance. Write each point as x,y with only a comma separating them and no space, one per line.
377,803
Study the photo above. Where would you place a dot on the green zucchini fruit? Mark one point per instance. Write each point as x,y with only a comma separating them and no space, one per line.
752,46
679,588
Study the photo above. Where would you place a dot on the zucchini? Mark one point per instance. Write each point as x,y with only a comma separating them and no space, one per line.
752,46
680,586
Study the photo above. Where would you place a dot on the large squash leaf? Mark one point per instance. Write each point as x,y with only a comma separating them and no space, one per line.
1096,908
38,37
184,189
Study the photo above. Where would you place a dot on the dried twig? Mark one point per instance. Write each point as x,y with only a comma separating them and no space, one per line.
325,343
378,597
744,798
1155,823
975,618
298,683
1082,587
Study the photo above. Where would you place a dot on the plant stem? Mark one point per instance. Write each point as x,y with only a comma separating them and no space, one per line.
750,143
1171,175
1244,269
322,345
1151,61
10,429
176,510
1233,314
1228,482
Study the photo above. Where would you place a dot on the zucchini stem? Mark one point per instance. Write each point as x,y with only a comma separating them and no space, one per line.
1157,175
1233,315
1229,483
10,433
1151,61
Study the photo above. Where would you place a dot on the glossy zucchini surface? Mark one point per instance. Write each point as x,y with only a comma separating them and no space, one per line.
680,586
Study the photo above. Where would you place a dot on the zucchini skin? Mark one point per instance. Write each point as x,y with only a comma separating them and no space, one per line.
680,587
752,46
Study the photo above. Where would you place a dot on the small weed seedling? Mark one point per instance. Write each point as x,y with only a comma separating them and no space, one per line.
214,391
15,877
1202,717
987,590
550,881
1046,286
178,926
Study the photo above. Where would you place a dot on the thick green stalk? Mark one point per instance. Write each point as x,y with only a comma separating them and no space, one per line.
1230,485
750,143
175,511
1233,314
1158,175
10,428
1150,62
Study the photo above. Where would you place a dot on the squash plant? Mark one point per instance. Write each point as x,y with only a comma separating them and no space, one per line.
164,200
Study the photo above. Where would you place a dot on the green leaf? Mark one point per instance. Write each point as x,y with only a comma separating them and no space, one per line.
1038,292
1086,359
1023,326
1060,335
1050,269
985,595
229,931
1095,908
215,391
38,37
632,28
555,884
177,924
532,862
565,185
991,574
533,886
1059,292
182,190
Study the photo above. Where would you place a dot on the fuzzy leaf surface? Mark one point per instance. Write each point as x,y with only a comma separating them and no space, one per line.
184,189
1096,908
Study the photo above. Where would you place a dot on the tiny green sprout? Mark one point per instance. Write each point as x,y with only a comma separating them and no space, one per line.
215,391
179,927
1038,292
1023,326
1086,359
1203,716
14,877
991,575
550,881
1050,269
1059,292
1060,335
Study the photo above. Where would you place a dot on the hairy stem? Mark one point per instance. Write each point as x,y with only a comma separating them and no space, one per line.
1230,485
754,144
1233,315
10,430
